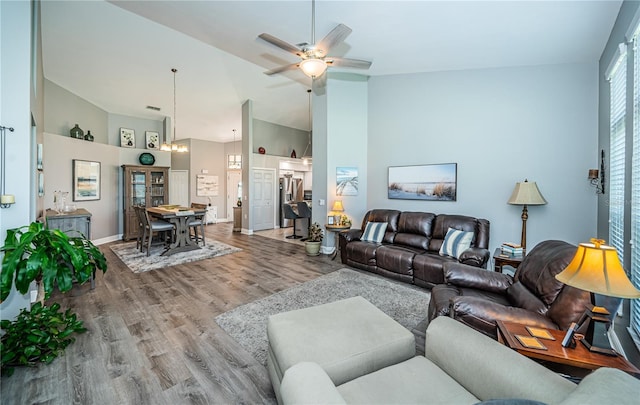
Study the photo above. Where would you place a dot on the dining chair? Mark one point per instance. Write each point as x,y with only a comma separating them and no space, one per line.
289,213
138,209
155,226
198,223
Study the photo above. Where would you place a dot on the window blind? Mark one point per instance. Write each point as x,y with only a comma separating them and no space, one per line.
635,188
618,82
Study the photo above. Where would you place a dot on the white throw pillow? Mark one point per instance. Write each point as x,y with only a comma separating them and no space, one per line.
456,242
374,232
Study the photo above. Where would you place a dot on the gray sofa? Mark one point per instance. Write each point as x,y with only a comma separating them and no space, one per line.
460,366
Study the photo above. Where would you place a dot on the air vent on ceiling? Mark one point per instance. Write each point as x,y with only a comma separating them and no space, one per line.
150,107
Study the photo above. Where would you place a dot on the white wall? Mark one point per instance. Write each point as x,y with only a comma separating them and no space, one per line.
500,126
59,152
15,103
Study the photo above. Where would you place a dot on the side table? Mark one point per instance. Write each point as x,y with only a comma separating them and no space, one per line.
579,360
502,259
336,229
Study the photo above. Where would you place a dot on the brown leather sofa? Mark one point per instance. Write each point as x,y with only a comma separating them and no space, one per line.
409,249
532,296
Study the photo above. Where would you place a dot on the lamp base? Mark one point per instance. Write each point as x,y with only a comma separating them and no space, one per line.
595,324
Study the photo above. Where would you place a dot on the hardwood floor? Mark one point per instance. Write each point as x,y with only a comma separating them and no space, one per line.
152,338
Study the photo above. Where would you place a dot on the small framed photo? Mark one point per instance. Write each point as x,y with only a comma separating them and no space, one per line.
127,138
152,140
330,220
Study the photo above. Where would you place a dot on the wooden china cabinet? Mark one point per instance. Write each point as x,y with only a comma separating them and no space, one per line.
143,185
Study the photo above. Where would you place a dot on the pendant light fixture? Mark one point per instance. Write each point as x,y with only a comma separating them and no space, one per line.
173,146
307,158
235,161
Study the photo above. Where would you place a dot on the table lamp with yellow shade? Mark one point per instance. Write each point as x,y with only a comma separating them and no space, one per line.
597,269
337,211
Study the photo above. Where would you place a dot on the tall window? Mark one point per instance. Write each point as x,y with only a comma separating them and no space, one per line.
617,76
635,188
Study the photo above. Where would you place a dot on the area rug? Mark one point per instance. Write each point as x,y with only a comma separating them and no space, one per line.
139,262
247,324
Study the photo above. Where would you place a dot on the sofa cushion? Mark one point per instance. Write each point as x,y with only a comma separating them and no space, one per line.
442,224
455,242
605,386
414,381
414,229
427,269
374,232
520,296
539,267
391,217
396,259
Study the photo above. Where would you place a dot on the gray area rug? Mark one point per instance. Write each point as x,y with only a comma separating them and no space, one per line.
247,324
139,262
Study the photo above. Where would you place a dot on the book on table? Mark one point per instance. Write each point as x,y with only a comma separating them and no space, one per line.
512,249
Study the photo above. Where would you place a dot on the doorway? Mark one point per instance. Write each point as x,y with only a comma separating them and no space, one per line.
179,187
263,198
234,191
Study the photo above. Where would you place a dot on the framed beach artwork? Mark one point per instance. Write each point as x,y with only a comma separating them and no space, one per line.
152,140
86,180
127,138
436,182
346,181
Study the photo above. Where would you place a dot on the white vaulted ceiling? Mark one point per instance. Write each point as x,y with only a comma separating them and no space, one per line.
118,55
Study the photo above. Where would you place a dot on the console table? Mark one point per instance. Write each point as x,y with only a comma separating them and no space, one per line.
336,229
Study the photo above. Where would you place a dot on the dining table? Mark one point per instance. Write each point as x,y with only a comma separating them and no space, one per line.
180,217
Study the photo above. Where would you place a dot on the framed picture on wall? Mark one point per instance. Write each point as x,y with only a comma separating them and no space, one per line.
152,140
436,182
346,181
127,138
86,180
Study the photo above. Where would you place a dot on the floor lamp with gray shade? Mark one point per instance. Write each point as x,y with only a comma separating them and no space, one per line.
526,193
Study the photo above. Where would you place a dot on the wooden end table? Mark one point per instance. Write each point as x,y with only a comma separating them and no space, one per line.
580,360
502,259
336,229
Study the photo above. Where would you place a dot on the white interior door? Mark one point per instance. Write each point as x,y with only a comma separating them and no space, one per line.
263,201
234,178
179,187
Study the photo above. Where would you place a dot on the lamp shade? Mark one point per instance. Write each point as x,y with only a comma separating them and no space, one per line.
337,206
596,268
526,193
313,67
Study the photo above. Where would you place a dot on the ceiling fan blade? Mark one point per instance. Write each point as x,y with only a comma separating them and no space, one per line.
336,36
345,62
280,43
282,69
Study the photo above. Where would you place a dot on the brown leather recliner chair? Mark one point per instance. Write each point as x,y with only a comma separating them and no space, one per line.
532,296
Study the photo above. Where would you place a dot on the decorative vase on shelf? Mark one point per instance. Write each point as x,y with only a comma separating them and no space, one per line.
239,203
88,136
76,132
293,154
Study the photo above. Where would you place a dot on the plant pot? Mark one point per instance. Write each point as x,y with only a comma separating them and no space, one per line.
312,248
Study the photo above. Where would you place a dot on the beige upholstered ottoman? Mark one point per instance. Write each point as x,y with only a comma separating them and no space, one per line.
347,338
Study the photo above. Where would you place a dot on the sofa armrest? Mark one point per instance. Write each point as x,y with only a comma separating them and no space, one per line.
307,383
481,314
605,386
476,257
462,275
488,369
350,235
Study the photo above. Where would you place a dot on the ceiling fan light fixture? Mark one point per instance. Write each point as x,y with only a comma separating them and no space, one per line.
313,67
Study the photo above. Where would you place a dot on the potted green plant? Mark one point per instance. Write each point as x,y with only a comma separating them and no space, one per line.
312,244
52,259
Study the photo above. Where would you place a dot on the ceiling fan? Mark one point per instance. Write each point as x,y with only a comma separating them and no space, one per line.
314,58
